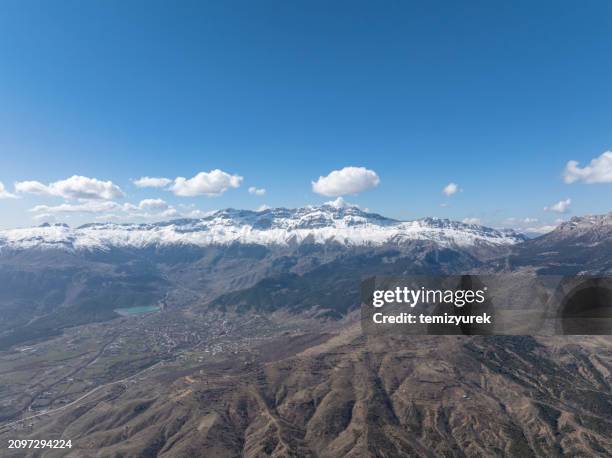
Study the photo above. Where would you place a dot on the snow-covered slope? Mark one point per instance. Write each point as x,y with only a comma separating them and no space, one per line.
591,227
328,223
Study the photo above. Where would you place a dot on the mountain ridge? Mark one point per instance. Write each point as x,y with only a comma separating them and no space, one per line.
323,224
580,245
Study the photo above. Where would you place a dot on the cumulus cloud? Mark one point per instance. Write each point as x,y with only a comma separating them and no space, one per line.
153,205
145,209
340,203
257,191
75,187
471,221
349,180
170,212
152,182
150,208
450,189
213,183
32,187
560,207
4,194
599,170
263,207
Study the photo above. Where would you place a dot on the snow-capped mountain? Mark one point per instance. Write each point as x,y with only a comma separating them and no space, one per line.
592,228
581,245
343,225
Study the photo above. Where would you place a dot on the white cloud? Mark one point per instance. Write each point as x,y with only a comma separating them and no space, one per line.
146,209
560,207
450,189
599,170
4,194
340,203
86,207
212,183
45,218
31,187
75,187
263,207
257,191
153,205
349,180
471,221
199,213
168,213
152,182
152,208
526,225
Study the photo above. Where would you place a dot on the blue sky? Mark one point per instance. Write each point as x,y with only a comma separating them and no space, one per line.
496,97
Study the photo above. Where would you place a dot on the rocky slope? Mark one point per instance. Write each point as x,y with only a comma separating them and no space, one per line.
350,396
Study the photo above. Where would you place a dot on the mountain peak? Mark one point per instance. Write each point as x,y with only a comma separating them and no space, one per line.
584,229
587,222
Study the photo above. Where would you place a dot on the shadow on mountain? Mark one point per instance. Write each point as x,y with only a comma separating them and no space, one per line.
587,309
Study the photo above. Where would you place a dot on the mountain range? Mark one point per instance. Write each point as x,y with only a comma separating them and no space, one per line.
257,351
344,225
54,276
